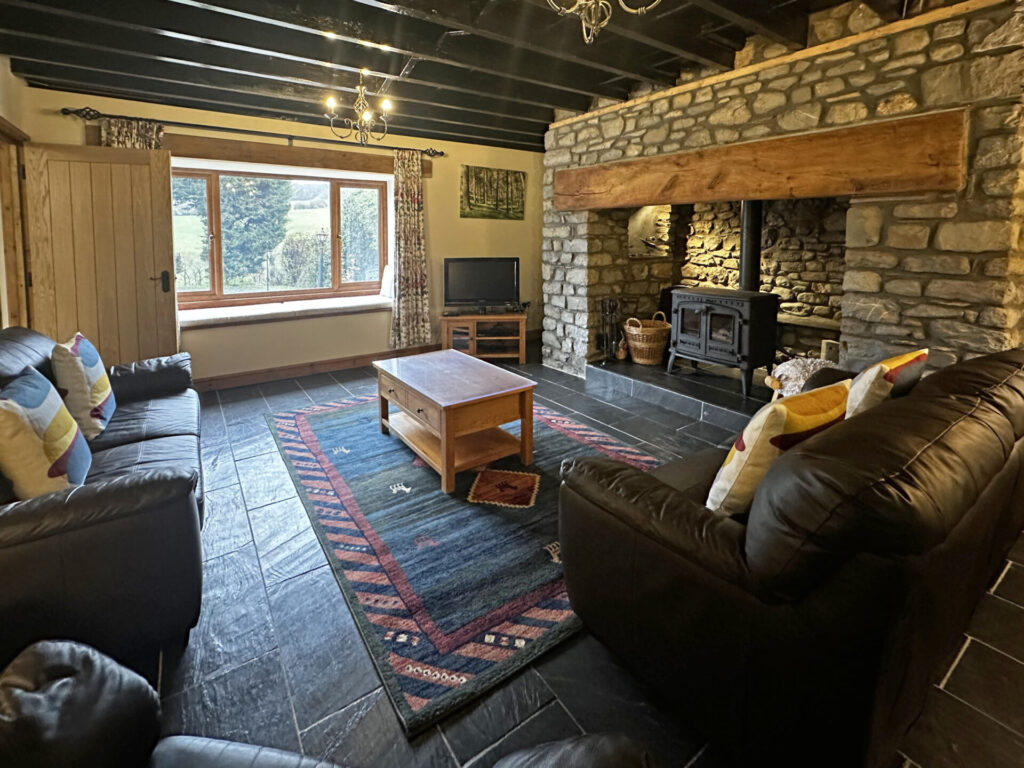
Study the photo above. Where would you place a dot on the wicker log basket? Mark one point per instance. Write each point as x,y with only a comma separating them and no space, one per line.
647,338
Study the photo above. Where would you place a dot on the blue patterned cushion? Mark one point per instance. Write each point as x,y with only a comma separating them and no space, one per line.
82,382
41,446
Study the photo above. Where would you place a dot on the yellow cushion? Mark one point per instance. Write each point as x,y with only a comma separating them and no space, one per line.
774,429
892,377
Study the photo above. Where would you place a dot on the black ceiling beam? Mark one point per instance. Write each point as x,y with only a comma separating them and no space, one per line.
53,49
289,104
889,10
788,27
102,36
529,29
196,101
424,44
183,73
156,98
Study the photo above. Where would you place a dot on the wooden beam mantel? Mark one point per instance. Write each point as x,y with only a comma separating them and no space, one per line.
926,153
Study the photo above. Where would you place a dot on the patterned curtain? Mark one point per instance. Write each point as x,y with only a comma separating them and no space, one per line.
410,324
130,134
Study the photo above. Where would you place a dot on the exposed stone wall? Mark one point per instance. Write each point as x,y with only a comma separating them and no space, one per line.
975,61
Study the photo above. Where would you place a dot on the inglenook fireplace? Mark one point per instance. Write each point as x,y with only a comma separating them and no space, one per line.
725,326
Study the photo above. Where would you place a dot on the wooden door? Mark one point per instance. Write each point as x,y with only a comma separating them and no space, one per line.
100,252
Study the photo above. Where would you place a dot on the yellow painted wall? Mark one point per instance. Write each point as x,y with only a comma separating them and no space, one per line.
228,350
12,94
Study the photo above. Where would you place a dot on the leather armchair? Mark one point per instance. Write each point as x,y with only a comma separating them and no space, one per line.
65,705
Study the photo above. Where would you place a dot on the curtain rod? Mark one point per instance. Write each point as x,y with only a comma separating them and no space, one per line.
88,113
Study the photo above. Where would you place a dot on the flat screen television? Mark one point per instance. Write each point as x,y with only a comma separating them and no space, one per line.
481,282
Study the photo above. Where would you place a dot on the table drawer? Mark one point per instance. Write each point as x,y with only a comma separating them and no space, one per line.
392,390
423,409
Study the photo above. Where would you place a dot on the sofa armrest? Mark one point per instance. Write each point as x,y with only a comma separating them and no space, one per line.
151,378
116,565
660,512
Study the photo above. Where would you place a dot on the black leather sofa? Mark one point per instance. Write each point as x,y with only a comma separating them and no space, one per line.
65,705
117,562
808,632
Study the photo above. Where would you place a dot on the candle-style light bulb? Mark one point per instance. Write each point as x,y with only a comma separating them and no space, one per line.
364,71
385,105
368,116
331,103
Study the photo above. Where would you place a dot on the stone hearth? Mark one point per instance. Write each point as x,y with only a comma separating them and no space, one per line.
935,269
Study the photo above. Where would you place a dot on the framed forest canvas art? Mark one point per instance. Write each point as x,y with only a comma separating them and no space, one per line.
491,193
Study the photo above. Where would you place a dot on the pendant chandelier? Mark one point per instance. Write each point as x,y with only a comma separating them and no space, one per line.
595,14
365,125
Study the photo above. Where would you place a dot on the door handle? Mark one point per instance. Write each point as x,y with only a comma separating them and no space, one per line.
165,281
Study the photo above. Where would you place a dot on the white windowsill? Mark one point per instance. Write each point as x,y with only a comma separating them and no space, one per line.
285,310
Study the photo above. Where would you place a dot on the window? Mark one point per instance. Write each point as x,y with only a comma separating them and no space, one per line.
246,238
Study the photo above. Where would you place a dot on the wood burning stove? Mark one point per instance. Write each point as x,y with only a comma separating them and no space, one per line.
725,326
719,325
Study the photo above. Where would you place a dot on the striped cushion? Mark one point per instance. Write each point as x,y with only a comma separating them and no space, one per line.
890,378
41,446
82,382
775,428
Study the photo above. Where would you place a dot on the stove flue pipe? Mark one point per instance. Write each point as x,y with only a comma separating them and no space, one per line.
751,223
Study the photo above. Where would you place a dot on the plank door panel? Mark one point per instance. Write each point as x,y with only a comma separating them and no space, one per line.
99,237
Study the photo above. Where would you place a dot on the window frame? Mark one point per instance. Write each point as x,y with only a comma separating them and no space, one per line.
216,297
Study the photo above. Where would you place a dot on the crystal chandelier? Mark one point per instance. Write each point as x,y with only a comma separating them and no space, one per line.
595,14
364,126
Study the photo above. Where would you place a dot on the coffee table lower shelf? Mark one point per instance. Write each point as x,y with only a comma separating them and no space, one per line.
472,450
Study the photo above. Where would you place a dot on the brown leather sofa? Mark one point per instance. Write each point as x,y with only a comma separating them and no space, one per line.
116,563
809,632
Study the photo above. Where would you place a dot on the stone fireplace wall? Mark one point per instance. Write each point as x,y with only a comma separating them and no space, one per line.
960,251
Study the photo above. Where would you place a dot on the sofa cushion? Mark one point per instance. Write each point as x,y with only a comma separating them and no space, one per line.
66,704
82,382
774,429
891,482
41,446
169,416
893,377
21,347
175,452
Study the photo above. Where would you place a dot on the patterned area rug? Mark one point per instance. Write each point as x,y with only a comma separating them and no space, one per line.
451,593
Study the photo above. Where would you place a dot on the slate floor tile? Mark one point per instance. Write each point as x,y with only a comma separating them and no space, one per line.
1017,551
247,393
248,703
218,465
253,439
999,623
951,734
234,624
284,395
551,723
367,734
992,682
264,479
323,388
474,728
602,695
1011,586
225,525
317,636
285,541
709,433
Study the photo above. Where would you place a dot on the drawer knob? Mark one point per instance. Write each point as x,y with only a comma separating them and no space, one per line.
419,410
391,390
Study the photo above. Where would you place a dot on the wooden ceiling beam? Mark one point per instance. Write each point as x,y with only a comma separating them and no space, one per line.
927,153
786,28
341,83
541,31
100,35
289,102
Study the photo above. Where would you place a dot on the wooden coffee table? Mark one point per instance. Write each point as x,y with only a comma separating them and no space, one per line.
451,407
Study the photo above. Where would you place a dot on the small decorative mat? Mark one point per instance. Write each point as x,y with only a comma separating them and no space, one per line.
504,488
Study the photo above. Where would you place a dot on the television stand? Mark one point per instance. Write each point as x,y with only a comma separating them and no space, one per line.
484,335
